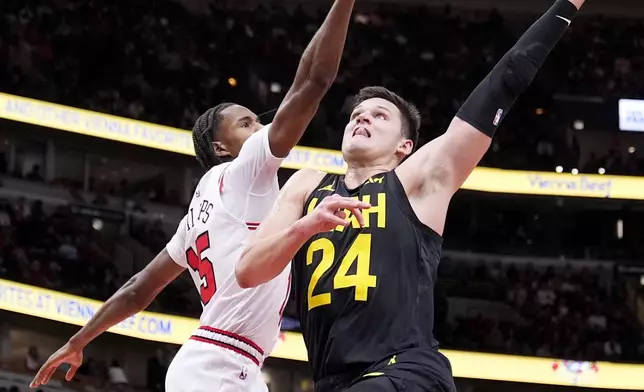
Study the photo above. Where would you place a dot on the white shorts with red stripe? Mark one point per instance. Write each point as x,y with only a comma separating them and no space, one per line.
214,360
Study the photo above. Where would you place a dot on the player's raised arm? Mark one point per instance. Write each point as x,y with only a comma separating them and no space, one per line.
448,160
316,73
285,231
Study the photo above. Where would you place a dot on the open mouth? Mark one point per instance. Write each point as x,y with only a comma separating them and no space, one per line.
361,131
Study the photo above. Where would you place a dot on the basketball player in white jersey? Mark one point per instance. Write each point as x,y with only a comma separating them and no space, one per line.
238,328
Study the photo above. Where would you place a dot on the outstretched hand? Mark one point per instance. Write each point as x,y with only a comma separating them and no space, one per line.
65,354
332,212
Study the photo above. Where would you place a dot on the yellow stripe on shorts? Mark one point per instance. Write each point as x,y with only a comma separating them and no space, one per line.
374,374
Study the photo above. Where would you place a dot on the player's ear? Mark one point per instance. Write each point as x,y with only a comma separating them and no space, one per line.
405,147
220,149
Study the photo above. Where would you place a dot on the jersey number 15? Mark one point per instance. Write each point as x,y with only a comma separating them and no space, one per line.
203,266
359,253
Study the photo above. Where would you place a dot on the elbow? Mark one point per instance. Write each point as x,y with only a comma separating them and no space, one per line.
135,295
243,275
243,280
323,77
136,300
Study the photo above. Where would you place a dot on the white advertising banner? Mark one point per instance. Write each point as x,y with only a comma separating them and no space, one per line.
631,115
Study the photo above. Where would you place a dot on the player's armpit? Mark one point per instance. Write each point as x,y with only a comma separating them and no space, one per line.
443,165
435,172
280,235
458,152
133,297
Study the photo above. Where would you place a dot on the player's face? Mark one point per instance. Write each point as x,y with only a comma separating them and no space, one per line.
375,132
237,126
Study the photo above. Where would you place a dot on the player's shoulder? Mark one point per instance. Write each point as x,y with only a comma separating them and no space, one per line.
210,179
303,183
306,179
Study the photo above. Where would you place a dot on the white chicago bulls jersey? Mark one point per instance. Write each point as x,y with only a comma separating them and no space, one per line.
227,206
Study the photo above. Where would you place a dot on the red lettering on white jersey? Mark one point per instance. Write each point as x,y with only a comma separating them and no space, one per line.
210,240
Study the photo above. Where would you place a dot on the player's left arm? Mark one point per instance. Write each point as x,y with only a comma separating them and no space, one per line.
135,295
447,161
278,237
285,230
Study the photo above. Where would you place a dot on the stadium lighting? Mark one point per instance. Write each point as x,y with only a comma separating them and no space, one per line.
579,125
575,172
631,150
97,224
601,170
559,169
232,82
539,111
276,88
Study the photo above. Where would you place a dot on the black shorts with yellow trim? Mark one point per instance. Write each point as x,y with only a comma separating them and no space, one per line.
418,370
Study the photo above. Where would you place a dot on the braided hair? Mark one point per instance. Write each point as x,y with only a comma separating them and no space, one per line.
204,133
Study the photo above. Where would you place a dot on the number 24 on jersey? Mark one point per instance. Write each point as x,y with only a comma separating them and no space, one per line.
362,280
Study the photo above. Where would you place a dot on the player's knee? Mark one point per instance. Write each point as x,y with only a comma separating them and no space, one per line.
519,68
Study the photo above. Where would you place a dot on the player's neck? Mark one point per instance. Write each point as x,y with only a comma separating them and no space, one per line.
356,176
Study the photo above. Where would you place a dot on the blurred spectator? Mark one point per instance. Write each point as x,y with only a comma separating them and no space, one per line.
147,71
117,377
67,250
88,368
565,313
32,359
134,61
156,371
34,174
612,348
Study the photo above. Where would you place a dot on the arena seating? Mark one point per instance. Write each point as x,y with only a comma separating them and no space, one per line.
167,65
45,246
157,62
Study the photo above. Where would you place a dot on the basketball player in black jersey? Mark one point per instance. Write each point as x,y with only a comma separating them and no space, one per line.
366,245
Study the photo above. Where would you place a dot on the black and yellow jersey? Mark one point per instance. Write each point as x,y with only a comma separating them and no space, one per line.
366,294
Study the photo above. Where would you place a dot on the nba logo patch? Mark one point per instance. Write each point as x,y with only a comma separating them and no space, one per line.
244,373
497,118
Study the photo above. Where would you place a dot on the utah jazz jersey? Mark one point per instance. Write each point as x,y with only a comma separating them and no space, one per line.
366,294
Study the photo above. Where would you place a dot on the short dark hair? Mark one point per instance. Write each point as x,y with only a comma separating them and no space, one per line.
410,115
205,132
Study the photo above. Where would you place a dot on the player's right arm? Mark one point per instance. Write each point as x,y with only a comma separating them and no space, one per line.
315,74
437,170
253,171
285,231
135,295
